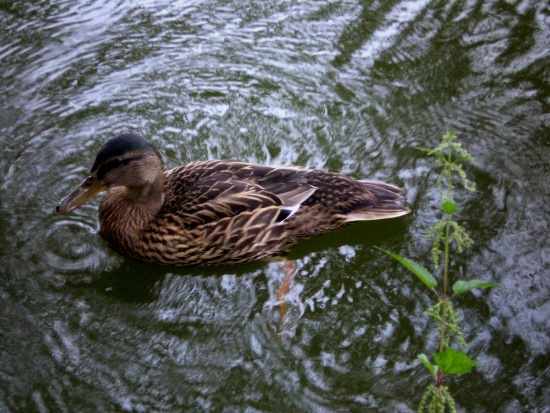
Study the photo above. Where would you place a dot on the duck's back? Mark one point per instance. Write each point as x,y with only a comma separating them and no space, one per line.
228,211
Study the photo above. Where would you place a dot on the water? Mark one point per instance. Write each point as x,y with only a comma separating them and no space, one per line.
345,86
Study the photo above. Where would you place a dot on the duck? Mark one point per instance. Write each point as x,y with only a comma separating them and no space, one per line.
218,212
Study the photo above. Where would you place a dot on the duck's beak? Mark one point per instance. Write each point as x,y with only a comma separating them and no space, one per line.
89,188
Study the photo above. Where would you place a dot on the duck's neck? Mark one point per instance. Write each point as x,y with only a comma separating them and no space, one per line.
151,196
125,212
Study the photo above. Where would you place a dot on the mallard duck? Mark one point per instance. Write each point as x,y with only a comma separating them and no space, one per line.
219,211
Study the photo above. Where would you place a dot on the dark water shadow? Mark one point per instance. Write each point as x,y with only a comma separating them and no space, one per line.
138,282
361,233
360,30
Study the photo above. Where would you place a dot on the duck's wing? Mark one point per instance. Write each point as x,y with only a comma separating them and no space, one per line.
224,217
222,189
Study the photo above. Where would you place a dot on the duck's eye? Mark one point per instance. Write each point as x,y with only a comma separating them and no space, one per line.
87,182
115,163
110,165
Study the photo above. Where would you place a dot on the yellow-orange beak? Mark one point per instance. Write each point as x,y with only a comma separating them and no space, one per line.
89,188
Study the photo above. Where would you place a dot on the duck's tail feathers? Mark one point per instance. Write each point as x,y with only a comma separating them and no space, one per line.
388,203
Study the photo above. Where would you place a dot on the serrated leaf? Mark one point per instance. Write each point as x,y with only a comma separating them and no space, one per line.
424,359
422,273
449,207
461,287
451,361
431,152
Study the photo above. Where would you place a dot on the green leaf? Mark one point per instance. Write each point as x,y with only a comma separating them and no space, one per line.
422,273
451,361
461,287
449,206
432,152
424,359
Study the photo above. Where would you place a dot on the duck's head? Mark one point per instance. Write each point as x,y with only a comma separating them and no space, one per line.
129,161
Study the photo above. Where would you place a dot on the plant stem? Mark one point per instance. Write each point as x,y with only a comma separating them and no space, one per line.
439,379
445,283
446,259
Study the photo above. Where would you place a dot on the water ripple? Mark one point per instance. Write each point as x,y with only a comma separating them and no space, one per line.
72,245
337,85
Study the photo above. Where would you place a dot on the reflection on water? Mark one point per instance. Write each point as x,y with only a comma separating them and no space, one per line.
345,86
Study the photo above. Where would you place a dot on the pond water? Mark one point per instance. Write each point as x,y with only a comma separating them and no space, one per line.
346,86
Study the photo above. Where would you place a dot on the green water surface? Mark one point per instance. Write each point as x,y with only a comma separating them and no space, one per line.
347,86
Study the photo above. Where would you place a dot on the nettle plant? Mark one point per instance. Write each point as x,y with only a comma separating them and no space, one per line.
447,236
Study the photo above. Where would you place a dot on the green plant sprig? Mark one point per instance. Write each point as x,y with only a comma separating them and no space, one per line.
446,233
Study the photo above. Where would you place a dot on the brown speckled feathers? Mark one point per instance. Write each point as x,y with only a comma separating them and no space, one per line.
223,212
